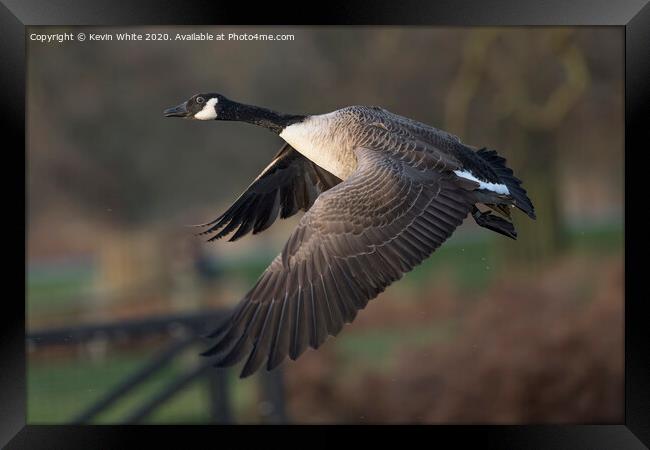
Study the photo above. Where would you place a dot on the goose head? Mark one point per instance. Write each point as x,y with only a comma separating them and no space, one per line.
201,107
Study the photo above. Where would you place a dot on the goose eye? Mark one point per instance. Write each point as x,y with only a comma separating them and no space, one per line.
199,100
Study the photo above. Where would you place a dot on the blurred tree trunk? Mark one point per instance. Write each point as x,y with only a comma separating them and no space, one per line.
535,161
528,127
535,146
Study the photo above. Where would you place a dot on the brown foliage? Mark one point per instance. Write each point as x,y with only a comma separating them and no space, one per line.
539,349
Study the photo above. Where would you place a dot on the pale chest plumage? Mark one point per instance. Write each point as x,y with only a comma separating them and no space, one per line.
323,141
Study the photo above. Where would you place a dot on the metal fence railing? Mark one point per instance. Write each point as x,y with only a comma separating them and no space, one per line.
185,330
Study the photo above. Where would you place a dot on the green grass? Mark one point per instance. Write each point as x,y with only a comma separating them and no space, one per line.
59,390
600,240
57,293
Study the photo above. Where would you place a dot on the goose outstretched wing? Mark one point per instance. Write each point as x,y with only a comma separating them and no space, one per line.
357,238
290,183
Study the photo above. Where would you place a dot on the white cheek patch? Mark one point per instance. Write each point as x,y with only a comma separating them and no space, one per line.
208,112
494,187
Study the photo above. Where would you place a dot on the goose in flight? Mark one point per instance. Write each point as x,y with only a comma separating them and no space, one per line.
380,193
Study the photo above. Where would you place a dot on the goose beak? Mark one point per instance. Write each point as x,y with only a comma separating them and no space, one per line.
177,111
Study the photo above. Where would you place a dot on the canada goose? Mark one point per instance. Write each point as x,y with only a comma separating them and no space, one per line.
381,192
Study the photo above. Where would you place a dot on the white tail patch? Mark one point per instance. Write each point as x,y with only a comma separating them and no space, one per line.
208,112
494,187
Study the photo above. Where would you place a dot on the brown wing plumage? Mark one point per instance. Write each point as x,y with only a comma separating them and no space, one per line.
290,183
357,238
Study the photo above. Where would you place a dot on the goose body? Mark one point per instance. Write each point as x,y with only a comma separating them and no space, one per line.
381,192
323,140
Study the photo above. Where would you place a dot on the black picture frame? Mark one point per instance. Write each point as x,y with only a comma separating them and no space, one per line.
632,15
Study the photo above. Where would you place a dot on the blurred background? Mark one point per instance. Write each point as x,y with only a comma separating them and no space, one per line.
487,330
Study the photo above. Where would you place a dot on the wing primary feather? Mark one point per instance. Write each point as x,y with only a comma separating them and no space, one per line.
279,346
261,344
302,332
271,216
234,348
288,201
348,311
229,335
318,327
233,318
243,344
230,215
360,296
392,269
246,223
336,321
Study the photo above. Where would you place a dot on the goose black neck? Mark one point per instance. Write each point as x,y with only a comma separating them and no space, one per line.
256,115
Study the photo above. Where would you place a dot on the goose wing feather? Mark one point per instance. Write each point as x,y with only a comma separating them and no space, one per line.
288,184
358,238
